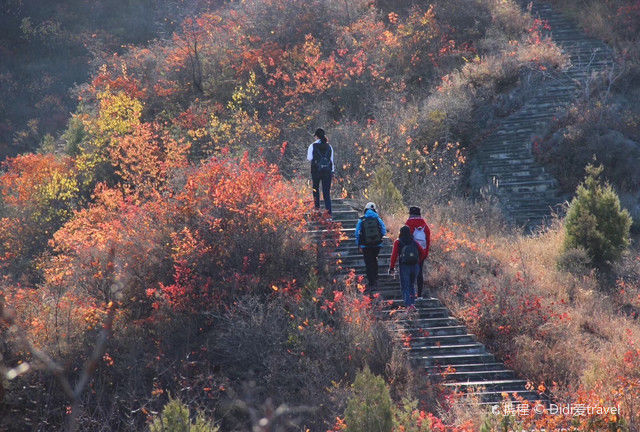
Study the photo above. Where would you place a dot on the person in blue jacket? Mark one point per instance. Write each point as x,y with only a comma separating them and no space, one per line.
369,233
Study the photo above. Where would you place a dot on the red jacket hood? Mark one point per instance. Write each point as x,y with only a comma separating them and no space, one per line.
415,222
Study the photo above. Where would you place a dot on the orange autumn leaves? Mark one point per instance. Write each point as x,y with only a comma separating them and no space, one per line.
165,236
38,193
220,235
146,158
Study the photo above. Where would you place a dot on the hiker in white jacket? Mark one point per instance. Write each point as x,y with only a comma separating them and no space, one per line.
320,154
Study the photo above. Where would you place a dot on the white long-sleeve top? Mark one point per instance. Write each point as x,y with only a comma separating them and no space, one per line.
310,154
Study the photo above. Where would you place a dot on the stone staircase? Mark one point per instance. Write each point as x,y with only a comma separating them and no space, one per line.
526,191
436,342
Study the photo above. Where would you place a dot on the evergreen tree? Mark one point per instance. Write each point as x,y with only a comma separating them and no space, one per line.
175,417
596,222
369,409
384,192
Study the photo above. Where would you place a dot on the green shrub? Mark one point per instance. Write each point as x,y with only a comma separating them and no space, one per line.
596,222
408,418
498,423
369,409
383,192
175,417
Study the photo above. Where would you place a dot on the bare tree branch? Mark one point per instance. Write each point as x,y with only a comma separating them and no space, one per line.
50,365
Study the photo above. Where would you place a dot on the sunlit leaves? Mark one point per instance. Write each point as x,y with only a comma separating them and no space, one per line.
232,216
39,193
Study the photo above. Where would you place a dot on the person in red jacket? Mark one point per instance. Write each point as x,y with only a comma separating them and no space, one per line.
409,254
421,234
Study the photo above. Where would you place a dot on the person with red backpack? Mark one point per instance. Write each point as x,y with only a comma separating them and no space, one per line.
370,230
409,254
421,234
320,154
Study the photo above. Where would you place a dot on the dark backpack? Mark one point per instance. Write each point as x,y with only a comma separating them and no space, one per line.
322,161
410,254
370,231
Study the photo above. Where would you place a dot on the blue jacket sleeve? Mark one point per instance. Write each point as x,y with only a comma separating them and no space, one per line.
382,225
358,232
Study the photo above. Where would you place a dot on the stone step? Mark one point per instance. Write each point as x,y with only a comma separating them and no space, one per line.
448,330
350,232
510,154
523,205
529,186
420,312
432,312
441,350
472,367
389,295
525,173
391,292
388,289
385,287
514,150
419,341
344,213
427,323
506,385
358,260
347,249
541,212
509,180
501,176
535,212
383,266
475,376
523,219
526,196
500,143
344,224
531,205
334,202
510,164
337,204
527,117
492,397
453,360
420,303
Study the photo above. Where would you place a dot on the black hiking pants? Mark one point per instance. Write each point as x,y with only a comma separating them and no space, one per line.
325,178
420,279
370,255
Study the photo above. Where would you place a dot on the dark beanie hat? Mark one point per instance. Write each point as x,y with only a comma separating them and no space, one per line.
414,211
